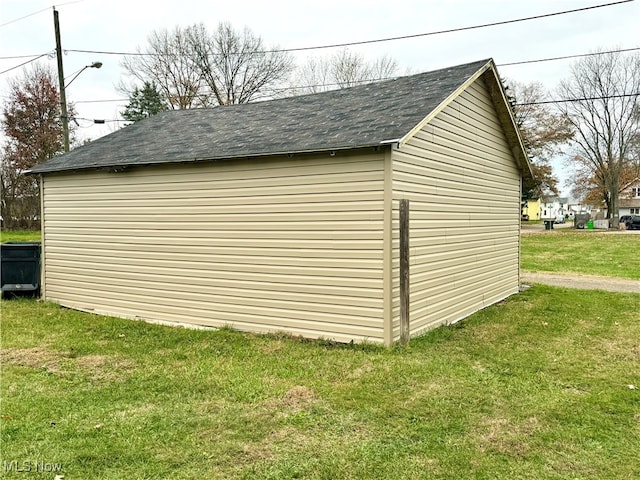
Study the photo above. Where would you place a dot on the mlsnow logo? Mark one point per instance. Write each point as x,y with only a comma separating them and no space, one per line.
35,466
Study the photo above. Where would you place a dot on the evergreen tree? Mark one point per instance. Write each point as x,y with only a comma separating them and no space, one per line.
144,103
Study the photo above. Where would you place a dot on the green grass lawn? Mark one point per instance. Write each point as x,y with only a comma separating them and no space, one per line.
20,236
585,252
537,387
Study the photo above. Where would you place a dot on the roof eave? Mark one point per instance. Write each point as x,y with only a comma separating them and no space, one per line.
120,166
507,119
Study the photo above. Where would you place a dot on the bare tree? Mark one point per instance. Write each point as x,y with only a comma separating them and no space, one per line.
341,70
166,61
545,132
236,66
312,77
603,108
349,68
195,68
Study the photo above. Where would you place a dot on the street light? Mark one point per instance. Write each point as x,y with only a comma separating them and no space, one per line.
93,65
63,95
63,100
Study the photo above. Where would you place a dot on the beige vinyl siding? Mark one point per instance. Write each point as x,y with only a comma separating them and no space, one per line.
280,244
463,185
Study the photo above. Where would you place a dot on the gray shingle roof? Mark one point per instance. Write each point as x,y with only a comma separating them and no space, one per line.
361,116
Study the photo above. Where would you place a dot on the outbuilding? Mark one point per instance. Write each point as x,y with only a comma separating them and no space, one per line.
284,215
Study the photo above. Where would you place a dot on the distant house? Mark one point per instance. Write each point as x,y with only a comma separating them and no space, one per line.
532,209
629,200
283,215
554,207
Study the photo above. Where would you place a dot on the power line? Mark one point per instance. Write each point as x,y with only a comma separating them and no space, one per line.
360,42
15,57
369,42
103,101
565,57
39,11
583,99
507,64
567,100
453,30
25,63
99,121
22,18
387,39
323,85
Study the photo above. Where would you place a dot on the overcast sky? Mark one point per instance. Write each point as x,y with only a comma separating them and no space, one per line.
122,26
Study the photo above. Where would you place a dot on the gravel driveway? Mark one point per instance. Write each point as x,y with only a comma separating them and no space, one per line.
584,282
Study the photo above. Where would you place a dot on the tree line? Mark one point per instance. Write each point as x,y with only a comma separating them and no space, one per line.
597,129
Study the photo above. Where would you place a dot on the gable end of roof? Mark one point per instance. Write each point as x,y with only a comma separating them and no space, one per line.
488,72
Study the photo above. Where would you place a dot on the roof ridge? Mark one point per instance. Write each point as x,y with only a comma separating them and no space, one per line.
344,90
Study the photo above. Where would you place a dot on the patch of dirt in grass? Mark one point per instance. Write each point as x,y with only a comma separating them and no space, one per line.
36,357
297,399
507,437
620,349
479,367
251,453
104,367
568,459
92,362
99,367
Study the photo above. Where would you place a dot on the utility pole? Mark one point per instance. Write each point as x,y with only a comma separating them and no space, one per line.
63,96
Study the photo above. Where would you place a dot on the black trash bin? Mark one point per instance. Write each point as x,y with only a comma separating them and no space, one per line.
20,268
548,224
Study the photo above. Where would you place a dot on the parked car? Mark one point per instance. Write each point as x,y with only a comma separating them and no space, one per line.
631,222
525,217
559,219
